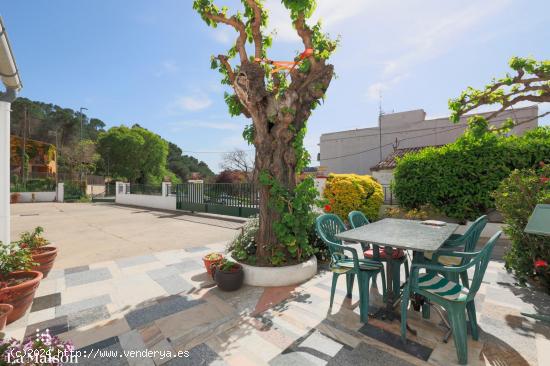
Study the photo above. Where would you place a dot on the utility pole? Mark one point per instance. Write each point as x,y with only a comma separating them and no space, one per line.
380,124
81,129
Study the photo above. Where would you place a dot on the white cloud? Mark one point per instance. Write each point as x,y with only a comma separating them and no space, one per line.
434,31
193,103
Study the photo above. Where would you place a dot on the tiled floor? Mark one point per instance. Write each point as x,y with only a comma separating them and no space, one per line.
165,302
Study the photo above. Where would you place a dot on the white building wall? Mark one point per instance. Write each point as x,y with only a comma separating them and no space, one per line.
356,151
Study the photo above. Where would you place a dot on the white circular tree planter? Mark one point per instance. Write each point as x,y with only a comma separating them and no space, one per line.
279,276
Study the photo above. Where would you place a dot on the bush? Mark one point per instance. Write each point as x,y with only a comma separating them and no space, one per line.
516,199
243,247
458,178
352,192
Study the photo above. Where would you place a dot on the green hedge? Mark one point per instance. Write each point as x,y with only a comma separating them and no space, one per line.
458,178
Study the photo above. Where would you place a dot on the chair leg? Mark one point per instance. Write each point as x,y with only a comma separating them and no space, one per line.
333,288
457,316
350,277
404,306
363,282
472,317
384,288
406,269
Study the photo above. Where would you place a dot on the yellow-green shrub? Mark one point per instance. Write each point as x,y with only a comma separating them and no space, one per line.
352,192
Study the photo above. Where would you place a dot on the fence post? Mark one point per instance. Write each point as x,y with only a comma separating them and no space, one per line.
60,196
166,189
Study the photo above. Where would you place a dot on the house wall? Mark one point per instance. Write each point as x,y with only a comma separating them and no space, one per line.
356,151
384,177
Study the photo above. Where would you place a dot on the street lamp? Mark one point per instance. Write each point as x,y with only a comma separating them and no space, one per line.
11,80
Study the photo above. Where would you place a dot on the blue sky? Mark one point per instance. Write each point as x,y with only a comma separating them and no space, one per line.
147,62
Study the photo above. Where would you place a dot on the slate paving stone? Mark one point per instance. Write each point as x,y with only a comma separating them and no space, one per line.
164,307
365,354
187,265
88,316
84,277
135,261
79,306
200,355
294,358
55,326
413,348
76,269
163,272
174,284
46,302
110,346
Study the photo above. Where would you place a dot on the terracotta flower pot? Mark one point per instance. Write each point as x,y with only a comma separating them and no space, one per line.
209,262
21,295
5,310
45,258
230,280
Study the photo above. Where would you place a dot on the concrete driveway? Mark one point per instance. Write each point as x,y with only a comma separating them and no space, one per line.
89,233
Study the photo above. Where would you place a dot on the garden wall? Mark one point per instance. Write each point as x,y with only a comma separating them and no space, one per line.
163,201
26,197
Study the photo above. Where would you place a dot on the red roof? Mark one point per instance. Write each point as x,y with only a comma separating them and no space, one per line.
391,160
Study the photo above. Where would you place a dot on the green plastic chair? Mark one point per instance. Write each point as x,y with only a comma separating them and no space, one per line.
454,298
327,226
358,219
466,242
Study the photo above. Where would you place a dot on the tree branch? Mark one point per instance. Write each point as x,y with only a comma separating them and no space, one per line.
303,31
225,62
239,27
256,27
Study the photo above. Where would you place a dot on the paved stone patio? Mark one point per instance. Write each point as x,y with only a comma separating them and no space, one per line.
165,302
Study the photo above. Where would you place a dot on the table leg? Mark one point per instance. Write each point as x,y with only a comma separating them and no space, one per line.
390,295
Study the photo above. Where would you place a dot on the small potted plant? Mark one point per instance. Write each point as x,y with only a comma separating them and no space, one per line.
17,283
210,259
228,275
14,197
40,349
42,254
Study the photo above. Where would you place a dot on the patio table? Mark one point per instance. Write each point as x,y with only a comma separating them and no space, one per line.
401,234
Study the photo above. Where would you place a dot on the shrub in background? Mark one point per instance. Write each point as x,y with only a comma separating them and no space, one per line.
516,198
352,192
458,178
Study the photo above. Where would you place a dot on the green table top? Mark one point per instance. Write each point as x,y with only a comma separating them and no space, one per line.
539,222
404,234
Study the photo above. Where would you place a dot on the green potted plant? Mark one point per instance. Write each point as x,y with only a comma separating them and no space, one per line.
42,254
39,349
18,284
210,259
228,275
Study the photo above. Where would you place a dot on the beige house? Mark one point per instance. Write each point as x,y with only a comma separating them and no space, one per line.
357,151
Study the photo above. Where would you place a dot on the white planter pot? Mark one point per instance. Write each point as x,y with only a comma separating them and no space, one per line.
279,276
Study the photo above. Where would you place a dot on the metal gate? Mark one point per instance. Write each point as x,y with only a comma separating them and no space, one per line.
232,199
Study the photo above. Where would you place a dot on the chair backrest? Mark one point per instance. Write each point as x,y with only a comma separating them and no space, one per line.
482,260
357,219
327,226
473,233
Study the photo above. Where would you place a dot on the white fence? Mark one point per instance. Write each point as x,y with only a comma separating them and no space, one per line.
164,202
53,196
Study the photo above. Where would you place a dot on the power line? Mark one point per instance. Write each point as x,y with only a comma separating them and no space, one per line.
390,144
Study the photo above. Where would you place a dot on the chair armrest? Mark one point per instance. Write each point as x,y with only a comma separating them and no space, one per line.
343,248
441,268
